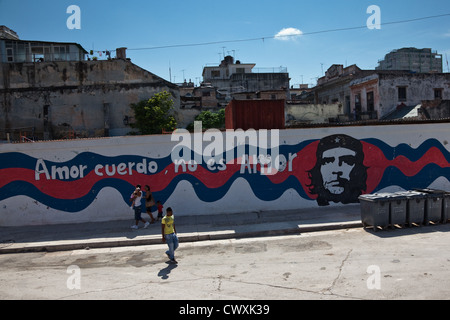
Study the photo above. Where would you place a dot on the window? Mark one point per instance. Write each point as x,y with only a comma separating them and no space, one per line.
401,93
9,55
370,102
37,52
20,53
47,54
215,74
59,53
347,105
358,102
438,93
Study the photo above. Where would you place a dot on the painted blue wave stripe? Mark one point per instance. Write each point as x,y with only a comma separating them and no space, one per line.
20,160
16,160
21,188
394,177
407,151
260,185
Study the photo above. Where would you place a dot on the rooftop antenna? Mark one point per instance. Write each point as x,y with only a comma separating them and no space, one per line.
170,72
234,53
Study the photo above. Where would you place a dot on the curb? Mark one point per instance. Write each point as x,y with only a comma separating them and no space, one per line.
57,247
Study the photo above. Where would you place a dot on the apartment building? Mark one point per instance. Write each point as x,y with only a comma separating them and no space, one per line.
412,59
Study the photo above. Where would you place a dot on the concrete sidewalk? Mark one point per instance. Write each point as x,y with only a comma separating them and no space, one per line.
190,229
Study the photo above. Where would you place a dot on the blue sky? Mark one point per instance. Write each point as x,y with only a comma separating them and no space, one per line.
135,24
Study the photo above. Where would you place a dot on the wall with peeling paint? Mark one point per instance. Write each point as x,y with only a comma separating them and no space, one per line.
385,87
90,98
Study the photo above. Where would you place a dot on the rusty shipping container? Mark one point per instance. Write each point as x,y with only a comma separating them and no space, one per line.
255,114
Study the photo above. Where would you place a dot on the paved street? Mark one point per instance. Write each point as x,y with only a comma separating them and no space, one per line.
344,264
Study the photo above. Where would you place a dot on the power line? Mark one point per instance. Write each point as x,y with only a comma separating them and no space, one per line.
294,35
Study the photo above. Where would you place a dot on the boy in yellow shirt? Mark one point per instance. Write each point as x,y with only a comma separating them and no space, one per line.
169,234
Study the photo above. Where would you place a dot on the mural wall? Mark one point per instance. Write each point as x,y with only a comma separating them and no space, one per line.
91,180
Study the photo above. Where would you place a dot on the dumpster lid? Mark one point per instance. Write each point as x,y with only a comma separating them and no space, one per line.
414,194
432,192
399,195
376,197
387,196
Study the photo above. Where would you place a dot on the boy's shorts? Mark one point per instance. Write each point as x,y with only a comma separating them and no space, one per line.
137,213
160,214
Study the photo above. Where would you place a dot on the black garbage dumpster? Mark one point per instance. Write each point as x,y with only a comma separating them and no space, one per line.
375,210
446,208
415,210
434,205
398,208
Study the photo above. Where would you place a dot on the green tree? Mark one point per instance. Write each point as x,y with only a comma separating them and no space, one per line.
210,120
153,115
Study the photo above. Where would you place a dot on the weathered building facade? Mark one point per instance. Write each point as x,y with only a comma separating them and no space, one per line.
54,100
49,91
377,94
334,87
435,109
383,92
299,114
412,59
14,50
230,78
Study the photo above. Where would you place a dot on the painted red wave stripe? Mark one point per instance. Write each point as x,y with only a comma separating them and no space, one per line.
377,164
71,190
434,155
58,189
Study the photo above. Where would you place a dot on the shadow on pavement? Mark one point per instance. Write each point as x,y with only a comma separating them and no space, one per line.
164,273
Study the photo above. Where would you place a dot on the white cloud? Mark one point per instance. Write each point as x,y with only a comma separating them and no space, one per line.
288,34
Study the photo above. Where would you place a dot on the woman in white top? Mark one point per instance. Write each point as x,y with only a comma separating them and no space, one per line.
136,198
